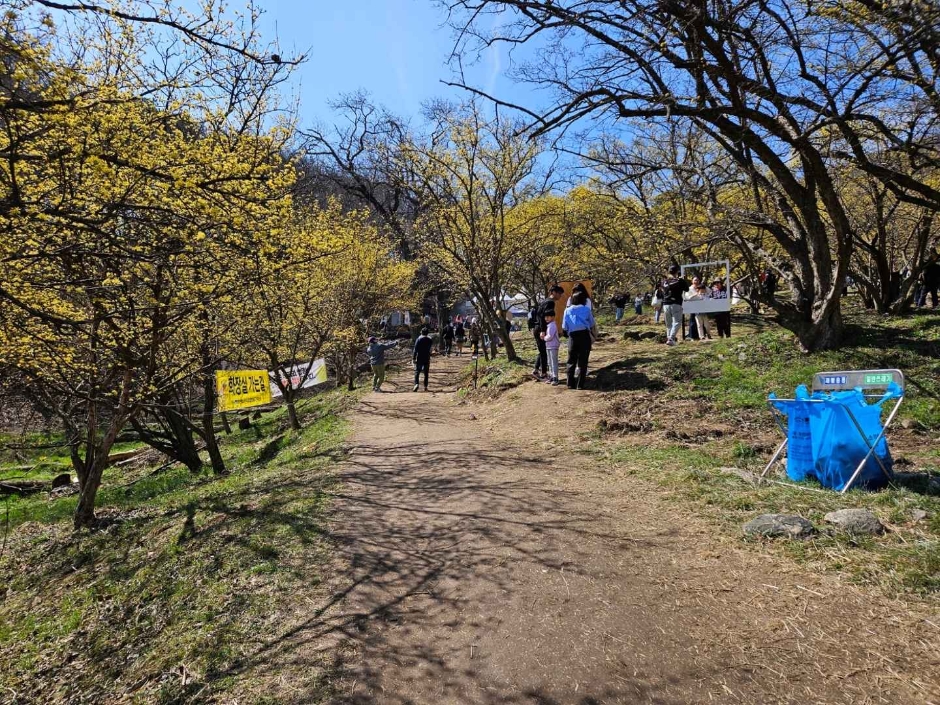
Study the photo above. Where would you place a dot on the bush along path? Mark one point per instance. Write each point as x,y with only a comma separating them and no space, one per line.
494,553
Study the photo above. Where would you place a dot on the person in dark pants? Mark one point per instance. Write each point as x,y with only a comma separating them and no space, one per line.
447,338
421,358
476,335
722,318
577,325
619,302
539,326
931,284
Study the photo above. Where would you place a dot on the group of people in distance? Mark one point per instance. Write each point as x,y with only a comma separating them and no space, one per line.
675,290
578,325
667,301
453,335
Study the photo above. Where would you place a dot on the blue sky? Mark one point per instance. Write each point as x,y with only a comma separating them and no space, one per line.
397,50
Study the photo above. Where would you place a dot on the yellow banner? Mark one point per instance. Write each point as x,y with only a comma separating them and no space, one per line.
239,389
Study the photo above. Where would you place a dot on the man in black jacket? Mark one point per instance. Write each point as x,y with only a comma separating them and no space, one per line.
539,326
674,286
421,358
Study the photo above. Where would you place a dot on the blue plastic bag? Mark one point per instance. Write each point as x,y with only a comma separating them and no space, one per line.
838,447
800,458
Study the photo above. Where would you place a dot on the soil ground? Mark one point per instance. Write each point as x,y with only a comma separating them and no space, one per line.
481,559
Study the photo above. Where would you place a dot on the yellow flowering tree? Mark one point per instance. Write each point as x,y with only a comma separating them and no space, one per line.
118,213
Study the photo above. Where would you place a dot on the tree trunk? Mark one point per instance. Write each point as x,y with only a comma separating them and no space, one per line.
89,471
175,438
208,423
822,334
292,415
497,326
89,482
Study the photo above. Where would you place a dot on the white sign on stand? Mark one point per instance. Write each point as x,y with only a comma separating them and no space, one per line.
712,303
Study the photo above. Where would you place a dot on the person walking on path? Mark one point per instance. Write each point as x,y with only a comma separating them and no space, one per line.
376,353
578,324
539,326
459,335
552,342
674,287
638,305
447,338
421,357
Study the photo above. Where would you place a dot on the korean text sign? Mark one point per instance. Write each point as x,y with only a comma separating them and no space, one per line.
240,389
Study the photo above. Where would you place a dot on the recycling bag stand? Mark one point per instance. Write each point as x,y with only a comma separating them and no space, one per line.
873,384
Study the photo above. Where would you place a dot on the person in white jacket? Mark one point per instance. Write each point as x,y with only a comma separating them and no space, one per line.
552,343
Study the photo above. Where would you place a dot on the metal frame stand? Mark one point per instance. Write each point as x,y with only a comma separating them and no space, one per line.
841,381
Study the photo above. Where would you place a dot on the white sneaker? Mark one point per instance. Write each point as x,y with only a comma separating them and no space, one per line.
415,389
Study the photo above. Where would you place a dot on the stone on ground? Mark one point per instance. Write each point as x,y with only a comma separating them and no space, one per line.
779,526
855,521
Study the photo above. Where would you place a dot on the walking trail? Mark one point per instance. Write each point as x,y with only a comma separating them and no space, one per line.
480,562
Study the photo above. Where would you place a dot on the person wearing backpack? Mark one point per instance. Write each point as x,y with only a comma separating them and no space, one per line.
539,326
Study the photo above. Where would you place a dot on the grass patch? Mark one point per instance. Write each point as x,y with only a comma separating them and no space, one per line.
175,601
906,559
498,375
724,384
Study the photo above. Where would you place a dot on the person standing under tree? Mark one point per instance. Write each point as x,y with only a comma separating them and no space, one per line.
619,302
447,338
638,305
699,292
376,353
931,284
673,287
722,318
657,304
476,335
459,334
539,326
552,343
578,324
421,357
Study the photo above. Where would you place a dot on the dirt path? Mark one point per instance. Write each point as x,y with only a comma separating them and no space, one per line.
480,566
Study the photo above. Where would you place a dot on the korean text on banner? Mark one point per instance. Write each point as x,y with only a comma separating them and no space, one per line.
300,376
240,389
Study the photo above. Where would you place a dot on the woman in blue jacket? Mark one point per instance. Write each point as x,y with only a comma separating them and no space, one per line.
578,325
